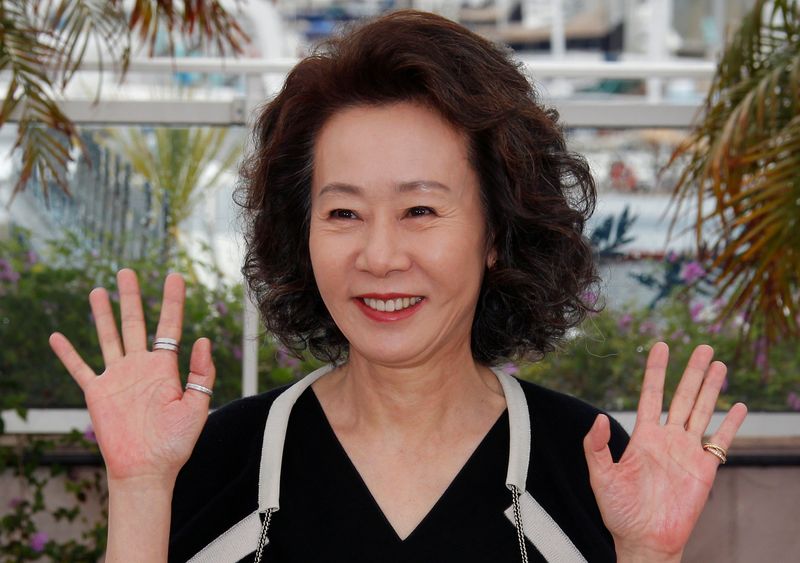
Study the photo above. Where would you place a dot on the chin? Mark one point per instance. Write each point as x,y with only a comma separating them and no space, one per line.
394,353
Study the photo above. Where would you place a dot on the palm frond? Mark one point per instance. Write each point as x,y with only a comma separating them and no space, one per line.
203,21
743,156
177,163
43,43
76,24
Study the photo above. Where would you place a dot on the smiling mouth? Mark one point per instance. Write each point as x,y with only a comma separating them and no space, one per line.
390,305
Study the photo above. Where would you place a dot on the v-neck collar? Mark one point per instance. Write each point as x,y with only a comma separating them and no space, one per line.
278,419
487,441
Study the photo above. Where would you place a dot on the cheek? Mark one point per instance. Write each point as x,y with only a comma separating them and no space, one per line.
327,263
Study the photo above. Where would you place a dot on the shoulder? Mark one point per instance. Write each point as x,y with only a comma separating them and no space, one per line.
218,485
561,418
558,477
240,412
232,432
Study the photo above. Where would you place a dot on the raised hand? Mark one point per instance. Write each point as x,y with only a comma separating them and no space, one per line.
651,499
146,424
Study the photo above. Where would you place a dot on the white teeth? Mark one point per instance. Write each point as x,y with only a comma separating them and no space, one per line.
391,305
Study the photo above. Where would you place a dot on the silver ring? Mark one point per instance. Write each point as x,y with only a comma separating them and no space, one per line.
200,388
166,344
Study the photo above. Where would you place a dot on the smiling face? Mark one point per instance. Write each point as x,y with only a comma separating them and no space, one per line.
397,234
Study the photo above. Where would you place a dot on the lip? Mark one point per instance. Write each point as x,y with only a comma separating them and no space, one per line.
385,316
385,296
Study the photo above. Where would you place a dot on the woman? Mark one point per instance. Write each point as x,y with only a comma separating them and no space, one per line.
414,219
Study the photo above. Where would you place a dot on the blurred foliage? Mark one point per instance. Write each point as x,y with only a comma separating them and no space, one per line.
44,42
40,295
608,238
21,536
181,165
741,170
603,361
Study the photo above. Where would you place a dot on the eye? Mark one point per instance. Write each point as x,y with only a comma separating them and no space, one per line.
343,214
420,211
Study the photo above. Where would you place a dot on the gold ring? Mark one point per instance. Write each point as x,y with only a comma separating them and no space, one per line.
716,450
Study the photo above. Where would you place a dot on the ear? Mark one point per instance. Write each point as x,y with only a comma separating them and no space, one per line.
491,258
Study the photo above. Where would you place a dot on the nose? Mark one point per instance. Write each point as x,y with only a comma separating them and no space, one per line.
384,249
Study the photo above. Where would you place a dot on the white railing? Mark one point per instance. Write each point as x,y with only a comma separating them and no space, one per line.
134,104
61,421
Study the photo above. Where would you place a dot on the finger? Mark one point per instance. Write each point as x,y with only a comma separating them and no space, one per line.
201,372
106,325
652,396
595,448
170,322
707,399
77,368
691,380
729,427
134,332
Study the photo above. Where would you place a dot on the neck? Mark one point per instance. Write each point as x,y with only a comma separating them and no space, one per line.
410,402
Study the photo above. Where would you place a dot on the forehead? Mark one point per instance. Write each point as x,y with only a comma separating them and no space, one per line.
374,146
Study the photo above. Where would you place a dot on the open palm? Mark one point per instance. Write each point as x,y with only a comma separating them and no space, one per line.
651,499
146,425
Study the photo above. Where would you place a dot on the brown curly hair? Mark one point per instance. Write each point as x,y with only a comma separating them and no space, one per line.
536,194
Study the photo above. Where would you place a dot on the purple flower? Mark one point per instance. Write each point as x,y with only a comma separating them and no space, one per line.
510,368
31,258
89,434
287,360
715,328
695,311
793,400
237,352
761,360
647,327
590,298
692,271
761,353
221,308
7,271
38,540
625,321
672,256
14,503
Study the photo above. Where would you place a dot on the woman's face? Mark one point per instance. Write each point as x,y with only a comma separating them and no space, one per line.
397,234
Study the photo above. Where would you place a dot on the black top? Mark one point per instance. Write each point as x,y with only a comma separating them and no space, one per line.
327,513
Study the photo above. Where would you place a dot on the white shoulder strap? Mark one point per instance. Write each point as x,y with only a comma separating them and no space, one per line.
236,543
269,477
537,525
543,532
519,422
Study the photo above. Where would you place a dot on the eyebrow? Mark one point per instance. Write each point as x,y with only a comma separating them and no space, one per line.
404,187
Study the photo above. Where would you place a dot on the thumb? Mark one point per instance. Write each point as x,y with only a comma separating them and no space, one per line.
201,372
595,447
